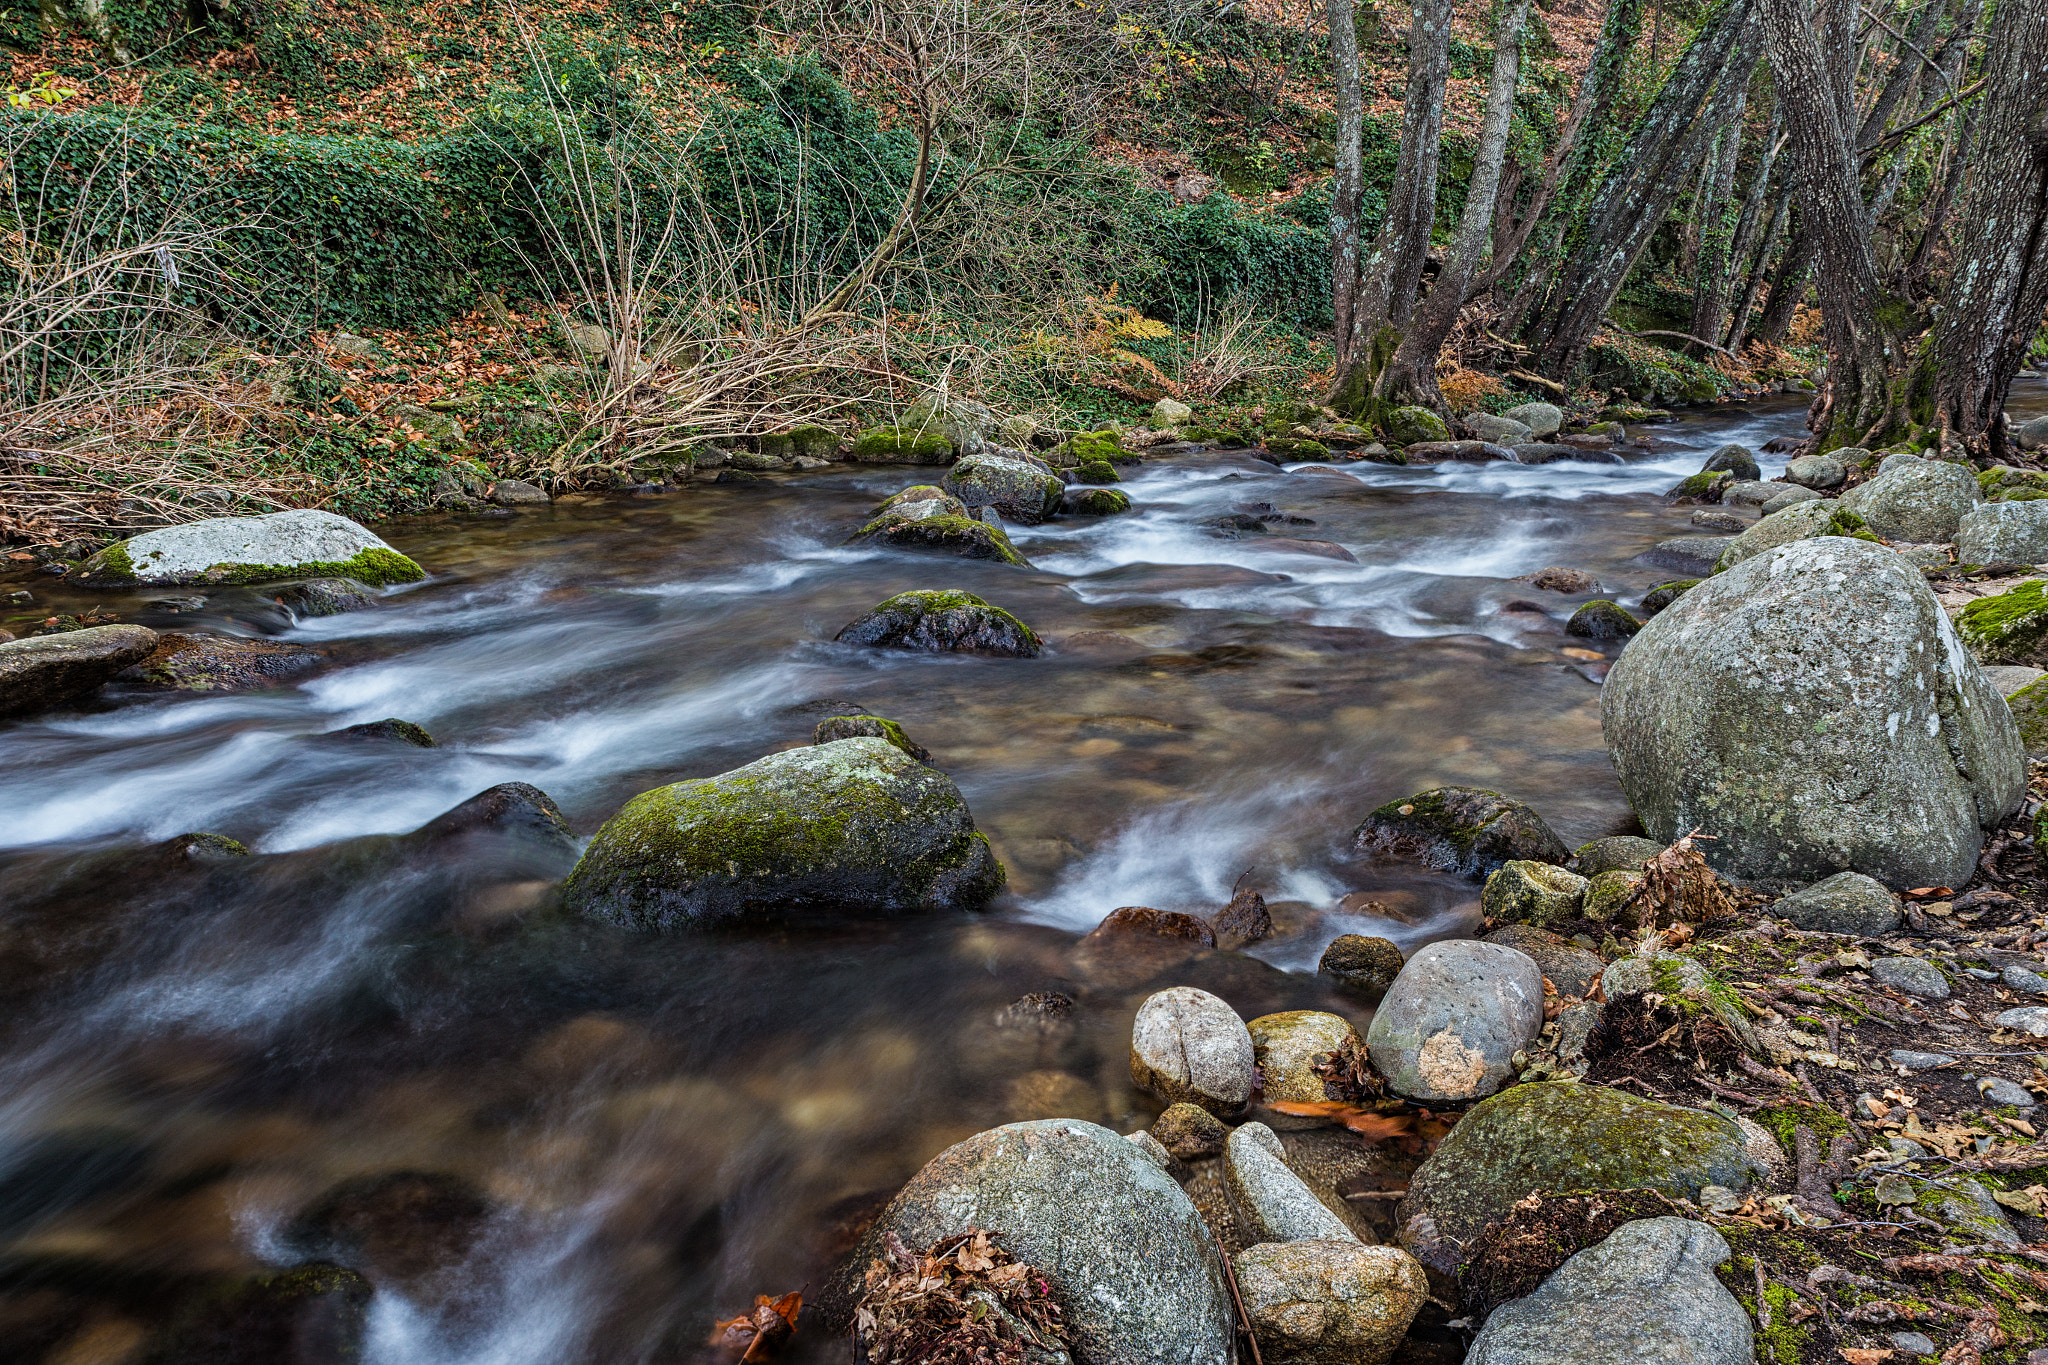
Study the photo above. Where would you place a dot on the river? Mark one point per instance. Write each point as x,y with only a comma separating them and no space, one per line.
608,1139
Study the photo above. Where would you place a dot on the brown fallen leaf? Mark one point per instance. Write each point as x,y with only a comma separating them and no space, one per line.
1863,1355
762,1333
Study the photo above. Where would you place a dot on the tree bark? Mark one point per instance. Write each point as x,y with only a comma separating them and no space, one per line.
1390,277
2000,288
1717,233
1788,287
1346,194
1411,376
1738,330
1639,189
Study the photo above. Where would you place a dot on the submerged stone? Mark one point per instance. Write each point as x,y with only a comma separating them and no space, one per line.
1460,829
854,827
43,671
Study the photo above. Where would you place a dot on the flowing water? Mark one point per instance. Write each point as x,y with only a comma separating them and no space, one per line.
611,1138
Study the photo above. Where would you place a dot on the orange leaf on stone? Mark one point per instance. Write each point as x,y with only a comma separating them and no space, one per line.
762,1333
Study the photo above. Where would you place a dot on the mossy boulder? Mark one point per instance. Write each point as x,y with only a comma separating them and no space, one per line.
1553,1136
965,423
1466,830
1813,710
1602,620
1801,521
1020,488
1736,459
1706,486
1413,426
2030,712
1096,502
1087,447
1608,895
1615,853
921,500
1098,473
297,544
853,827
2010,628
44,671
902,445
943,621
834,728
967,537
1215,436
1297,448
1524,892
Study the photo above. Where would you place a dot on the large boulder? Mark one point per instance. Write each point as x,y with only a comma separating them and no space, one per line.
1551,1136
1501,431
1647,1295
1268,1201
2004,533
1800,521
856,826
962,421
1816,471
943,622
1188,1045
905,444
1460,829
1450,1025
1329,1302
1812,709
1415,426
1138,1277
1021,489
1915,499
45,670
1737,460
2032,435
967,537
296,544
1846,903
1542,419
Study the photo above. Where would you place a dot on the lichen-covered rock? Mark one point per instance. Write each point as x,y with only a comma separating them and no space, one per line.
1751,493
1549,1136
1138,1276
2029,705
1710,485
903,445
1186,1044
1411,426
920,500
295,544
1737,460
1564,964
1647,1295
1268,1201
942,622
1846,903
211,663
1460,829
834,728
1329,1302
1361,964
1687,982
321,597
1968,1208
1693,556
1801,521
1664,594
1190,1132
1792,496
1816,471
1169,413
45,670
1018,488
856,826
1450,1025
2004,533
1609,896
967,537
2009,628
1096,502
1286,1046
1812,709
1523,892
1915,976
962,421
1602,620
1557,578
1616,853
1915,499
1542,419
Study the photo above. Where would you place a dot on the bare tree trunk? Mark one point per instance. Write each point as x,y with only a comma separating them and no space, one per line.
1738,331
1639,190
1717,233
1859,402
2000,288
1411,376
1346,194
1788,287
1390,278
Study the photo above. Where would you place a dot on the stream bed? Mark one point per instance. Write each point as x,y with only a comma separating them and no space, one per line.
548,1142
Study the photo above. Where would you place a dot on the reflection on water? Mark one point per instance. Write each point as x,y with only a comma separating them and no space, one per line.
620,1137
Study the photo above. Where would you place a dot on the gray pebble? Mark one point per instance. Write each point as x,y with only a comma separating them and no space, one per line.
1999,1090
1913,975
2020,979
1914,1344
1905,1149
1980,973
1919,1061
2028,1019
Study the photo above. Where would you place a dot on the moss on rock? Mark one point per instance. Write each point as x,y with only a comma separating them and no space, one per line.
943,621
2011,628
902,445
1413,426
967,537
853,827
1097,502
1460,829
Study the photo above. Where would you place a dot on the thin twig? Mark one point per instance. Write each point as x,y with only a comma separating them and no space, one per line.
1244,1319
